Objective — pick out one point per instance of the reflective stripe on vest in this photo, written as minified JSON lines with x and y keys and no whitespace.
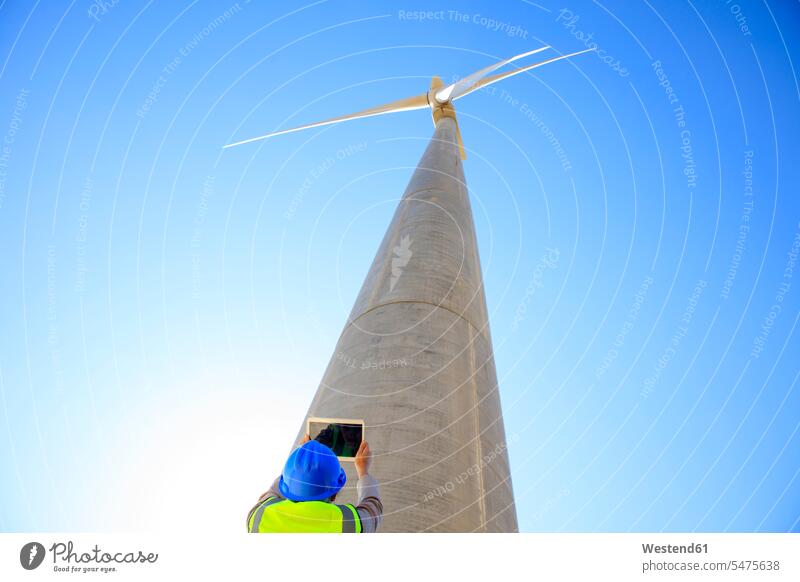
{"x":256,"y":516}
{"x":276,"y":515}
{"x":351,"y":523}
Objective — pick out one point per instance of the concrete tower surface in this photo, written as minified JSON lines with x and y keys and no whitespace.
{"x":415,"y":362}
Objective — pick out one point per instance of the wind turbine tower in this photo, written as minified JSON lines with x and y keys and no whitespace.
{"x":415,"y":358}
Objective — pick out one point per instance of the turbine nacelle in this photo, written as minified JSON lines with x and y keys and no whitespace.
{"x":444,"y":108}
{"x":439,"y":97}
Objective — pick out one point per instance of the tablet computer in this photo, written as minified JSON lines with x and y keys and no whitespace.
{"x":342,"y":436}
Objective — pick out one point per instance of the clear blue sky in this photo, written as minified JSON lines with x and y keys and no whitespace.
{"x":168,"y":308}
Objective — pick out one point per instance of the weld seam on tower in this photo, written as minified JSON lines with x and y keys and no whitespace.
{"x":421,"y":190}
{"x":459,"y":315}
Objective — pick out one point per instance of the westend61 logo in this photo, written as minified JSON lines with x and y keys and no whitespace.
{"x":32,"y":555}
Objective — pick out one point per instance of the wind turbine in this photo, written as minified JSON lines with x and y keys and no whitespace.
{"x":415,"y":357}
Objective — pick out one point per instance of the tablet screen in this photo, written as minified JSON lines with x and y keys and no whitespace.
{"x":343,"y":438}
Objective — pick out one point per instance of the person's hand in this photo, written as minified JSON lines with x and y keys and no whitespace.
{"x":363,"y":459}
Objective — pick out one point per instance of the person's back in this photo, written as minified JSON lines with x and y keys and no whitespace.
{"x":302,"y":499}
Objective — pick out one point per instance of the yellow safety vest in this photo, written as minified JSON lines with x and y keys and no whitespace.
{"x":276,"y":515}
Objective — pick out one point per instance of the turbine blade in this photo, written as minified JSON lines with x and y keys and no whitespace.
{"x":407,"y":104}
{"x":457,"y":89}
{"x":461,"y":149}
{"x":495,"y":78}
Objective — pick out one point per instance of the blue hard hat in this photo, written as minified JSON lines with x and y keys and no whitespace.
{"x":312,"y":473}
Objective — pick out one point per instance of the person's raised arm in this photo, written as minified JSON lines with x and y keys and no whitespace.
{"x":370,"y":507}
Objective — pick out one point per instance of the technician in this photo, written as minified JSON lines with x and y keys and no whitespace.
{"x":302,"y":499}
